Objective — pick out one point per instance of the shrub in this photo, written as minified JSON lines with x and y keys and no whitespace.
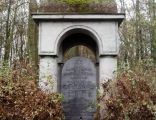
{"x":21,"y":99}
{"x":132,"y":96}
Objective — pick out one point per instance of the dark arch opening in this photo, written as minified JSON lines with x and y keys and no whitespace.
{"x":74,"y":38}
{"x":79,"y":40}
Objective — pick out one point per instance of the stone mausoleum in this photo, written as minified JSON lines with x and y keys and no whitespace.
{"x":78,"y":78}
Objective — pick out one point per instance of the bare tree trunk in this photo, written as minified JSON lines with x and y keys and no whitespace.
{"x":138,"y":31}
{"x":153,"y":40}
{"x":32,"y":35}
{"x":7,"y":34}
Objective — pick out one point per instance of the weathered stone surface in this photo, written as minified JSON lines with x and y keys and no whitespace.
{"x":107,"y":7}
{"x":48,"y":74}
{"x":78,"y":85}
{"x":78,"y":6}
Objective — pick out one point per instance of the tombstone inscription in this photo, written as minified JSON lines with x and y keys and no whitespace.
{"x":78,"y":85}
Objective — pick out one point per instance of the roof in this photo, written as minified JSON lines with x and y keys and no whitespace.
{"x":78,"y":17}
{"x":55,"y":7}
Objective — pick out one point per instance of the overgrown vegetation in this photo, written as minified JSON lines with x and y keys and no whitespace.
{"x":21,"y":99}
{"x":132,"y":96}
{"x":79,"y":6}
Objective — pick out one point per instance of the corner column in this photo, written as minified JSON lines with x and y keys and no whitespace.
{"x":48,"y":73}
{"x":107,"y":69}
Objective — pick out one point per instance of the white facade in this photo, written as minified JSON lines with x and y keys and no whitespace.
{"x":48,"y":74}
{"x":53,"y":29}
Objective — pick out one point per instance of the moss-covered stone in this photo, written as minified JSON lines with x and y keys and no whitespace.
{"x":71,"y":2}
{"x":79,"y":6}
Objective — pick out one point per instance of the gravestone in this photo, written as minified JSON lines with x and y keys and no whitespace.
{"x":78,"y":85}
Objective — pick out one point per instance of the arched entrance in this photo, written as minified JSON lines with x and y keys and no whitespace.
{"x":78,"y":74}
{"x":78,"y":35}
{"x":74,"y":40}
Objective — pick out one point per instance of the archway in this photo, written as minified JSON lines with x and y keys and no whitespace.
{"x":78,"y":37}
{"x":78,"y":73}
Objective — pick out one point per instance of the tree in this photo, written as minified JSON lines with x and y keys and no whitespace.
{"x":13,"y":24}
{"x":138,"y":32}
{"x":32,"y":34}
{"x":152,"y":11}
{"x":7,"y":33}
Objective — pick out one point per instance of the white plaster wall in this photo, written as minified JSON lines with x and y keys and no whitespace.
{"x":49,"y":35}
{"x":48,"y":74}
{"x":107,"y":69}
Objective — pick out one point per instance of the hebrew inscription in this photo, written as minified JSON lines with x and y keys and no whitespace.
{"x":78,"y":85}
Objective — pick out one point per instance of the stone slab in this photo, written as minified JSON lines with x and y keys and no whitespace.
{"x":78,"y":85}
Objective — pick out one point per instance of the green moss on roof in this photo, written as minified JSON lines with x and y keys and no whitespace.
{"x":79,"y":6}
